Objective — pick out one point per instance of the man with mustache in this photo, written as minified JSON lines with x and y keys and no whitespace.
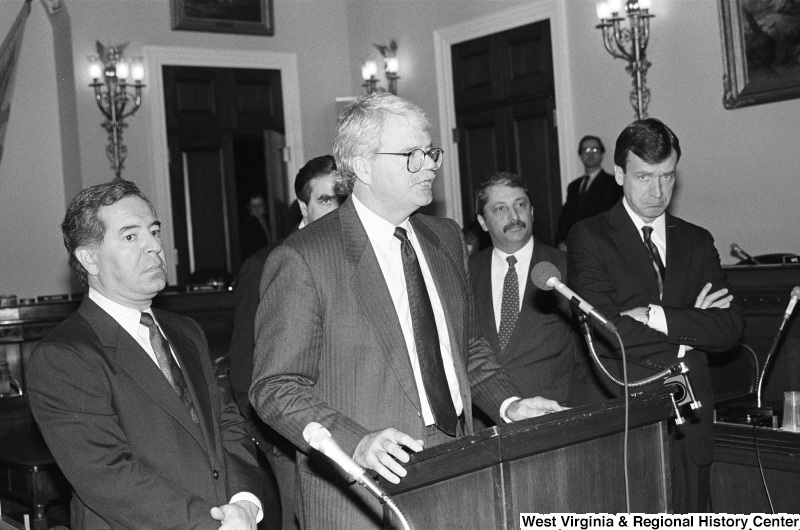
{"x":530,"y":329}
{"x":658,"y":279}
{"x":126,"y":397}
{"x":366,"y":324}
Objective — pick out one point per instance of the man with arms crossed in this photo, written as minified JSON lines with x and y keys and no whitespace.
{"x":126,"y":396}
{"x":659,"y":280}
{"x":366,"y":324}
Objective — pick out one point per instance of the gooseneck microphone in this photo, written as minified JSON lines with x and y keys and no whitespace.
{"x":786,"y":315}
{"x":321,"y":439}
{"x":546,"y":276}
{"x":737,"y":251}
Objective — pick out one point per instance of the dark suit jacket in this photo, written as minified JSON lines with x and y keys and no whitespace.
{"x":610,"y":267}
{"x":243,"y":342}
{"x":121,"y":434}
{"x":602,"y":194}
{"x":544,"y":347}
{"x":330,"y":349}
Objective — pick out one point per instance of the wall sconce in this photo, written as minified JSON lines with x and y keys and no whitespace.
{"x":369,"y":69}
{"x":116,"y":98}
{"x":635,"y":36}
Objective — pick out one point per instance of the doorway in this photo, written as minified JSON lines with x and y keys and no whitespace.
{"x":292,"y":154}
{"x":505,"y":116}
{"x":225,"y":132}
{"x":444,"y":39}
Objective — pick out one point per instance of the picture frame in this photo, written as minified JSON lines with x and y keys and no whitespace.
{"x":252,"y":17}
{"x":760,"y":51}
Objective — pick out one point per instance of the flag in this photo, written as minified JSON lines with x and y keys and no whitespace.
{"x":9,"y":55}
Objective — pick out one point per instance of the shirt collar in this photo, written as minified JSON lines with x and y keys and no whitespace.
{"x":522,"y":255}
{"x":378,"y":229}
{"x":126,"y":317}
{"x":659,"y":225}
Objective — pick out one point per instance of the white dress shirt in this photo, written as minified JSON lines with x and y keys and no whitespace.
{"x":387,"y":249}
{"x":657,"y":319}
{"x":499,"y":271}
{"x":129,"y":319}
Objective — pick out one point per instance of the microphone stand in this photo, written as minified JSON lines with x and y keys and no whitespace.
{"x":677,"y":375}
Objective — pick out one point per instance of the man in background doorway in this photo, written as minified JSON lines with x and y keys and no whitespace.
{"x":593,"y":193}
{"x":254,"y":230}
{"x":314,"y":187}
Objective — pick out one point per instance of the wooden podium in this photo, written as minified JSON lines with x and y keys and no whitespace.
{"x":570,"y":461}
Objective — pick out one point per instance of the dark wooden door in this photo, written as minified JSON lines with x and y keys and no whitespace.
{"x":505,"y":108}
{"x":216,"y":123}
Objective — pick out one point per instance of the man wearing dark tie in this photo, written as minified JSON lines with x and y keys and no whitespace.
{"x":366,"y":324}
{"x":591,"y":194}
{"x":531,"y":330}
{"x":126,"y":396}
{"x":658,"y":279}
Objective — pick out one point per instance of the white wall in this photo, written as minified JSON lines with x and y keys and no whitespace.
{"x":737,"y":176}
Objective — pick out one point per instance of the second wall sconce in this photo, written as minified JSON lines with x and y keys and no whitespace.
{"x":369,"y":69}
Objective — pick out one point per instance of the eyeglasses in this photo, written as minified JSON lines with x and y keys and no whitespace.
{"x":415,"y":159}
{"x":591,"y":150}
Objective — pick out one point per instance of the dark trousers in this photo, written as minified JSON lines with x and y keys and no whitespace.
{"x":691,"y":483}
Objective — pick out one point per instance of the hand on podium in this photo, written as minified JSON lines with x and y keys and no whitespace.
{"x":532,"y":407}
{"x":381,"y":450}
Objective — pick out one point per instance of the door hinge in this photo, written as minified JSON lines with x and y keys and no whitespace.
{"x":555,"y":119}
{"x":456,"y":136}
{"x":286,"y":153}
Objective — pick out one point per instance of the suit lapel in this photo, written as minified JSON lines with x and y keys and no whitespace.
{"x":133,"y":360}
{"x":631,"y":249}
{"x":195,"y":379}
{"x":484,"y":300}
{"x":373,"y":296}
{"x":443,"y":267}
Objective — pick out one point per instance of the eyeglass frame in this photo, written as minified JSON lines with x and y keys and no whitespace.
{"x":437,"y":163}
{"x":587,"y":150}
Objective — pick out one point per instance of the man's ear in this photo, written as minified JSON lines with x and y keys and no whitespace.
{"x":88,"y":258}
{"x":482,"y":222}
{"x":363,"y":169}
{"x":303,"y":209}
{"x":619,"y":173}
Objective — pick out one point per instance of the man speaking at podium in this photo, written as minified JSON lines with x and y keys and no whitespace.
{"x":366,"y":323}
{"x":658,"y":279}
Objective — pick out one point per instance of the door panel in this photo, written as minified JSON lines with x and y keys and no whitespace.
{"x":481,"y":152}
{"x":505,"y":99}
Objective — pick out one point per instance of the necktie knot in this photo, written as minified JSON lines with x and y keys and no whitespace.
{"x":647,"y":230}
{"x":511,"y":261}
{"x":401,"y":234}
{"x":147,"y":320}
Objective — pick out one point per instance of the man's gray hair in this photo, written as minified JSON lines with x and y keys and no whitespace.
{"x":360,"y":127}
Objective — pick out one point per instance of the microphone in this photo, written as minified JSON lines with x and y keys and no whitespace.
{"x":737,"y":251}
{"x":321,"y":439}
{"x":545,"y":276}
{"x":792,"y":302}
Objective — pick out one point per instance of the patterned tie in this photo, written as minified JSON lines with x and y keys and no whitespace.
{"x":167,"y":364}
{"x":658,"y":265}
{"x":509,"y":308}
{"x":426,"y":339}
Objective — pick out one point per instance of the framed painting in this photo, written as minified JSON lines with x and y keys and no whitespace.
{"x":760,"y":50}
{"x":224,"y":16}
